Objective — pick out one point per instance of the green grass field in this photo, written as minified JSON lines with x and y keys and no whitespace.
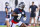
{"x":16,"y":26}
{"x":4,"y":26}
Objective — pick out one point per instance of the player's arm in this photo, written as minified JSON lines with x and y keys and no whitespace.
{"x":37,"y":9}
{"x":6,"y":11}
{"x":25,"y":17}
{"x":11,"y":10}
{"x":14,"y":14}
{"x":25,"y":14}
{"x":29,"y":9}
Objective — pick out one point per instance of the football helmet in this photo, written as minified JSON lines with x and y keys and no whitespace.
{"x":21,"y":5}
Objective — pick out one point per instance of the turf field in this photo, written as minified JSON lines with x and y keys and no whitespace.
{"x":17,"y":26}
{"x":4,"y":26}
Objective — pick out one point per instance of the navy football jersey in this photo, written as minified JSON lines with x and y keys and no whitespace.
{"x":8,"y":8}
{"x":9,"y":11}
{"x":18,"y":11}
{"x":33,"y":8}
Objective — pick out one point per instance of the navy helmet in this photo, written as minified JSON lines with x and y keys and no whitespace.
{"x":6,"y":3}
{"x":21,"y":5}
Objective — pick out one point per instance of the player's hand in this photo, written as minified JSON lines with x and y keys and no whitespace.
{"x":19,"y":15}
{"x":11,"y":10}
{"x":18,"y":18}
{"x":24,"y":19}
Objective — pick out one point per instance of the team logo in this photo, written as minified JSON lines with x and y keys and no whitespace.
{"x":22,"y":12}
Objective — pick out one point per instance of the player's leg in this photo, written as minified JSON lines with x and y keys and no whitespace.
{"x":37,"y":19}
{"x":22,"y":24}
{"x":30,"y":21}
{"x":19,"y":23}
{"x":7,"y":22}
{"x":38,"y":22}
{"x":34,"y":18}
{"x":12,"y":24}
{"x":34,"y":21}
{"x":31,"y":15}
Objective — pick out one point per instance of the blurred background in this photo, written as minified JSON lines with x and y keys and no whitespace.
{"x":13,"y":5}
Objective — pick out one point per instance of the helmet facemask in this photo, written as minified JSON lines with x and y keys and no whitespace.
{"x":21,"y":6}
{"x":7,"y":4}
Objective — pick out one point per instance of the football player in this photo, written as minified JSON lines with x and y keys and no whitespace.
{"x":33,"y":12}
{"x":8,"y":16}
{"x":17,"y":14}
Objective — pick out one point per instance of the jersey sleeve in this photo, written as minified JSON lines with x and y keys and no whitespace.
{"x":36,"y":7}
{"x":6,"y":7}
{"x":30,"y":7}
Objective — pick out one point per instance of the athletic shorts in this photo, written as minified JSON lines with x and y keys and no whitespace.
{"x":6,"y":19}
{"x":32,"y":15}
